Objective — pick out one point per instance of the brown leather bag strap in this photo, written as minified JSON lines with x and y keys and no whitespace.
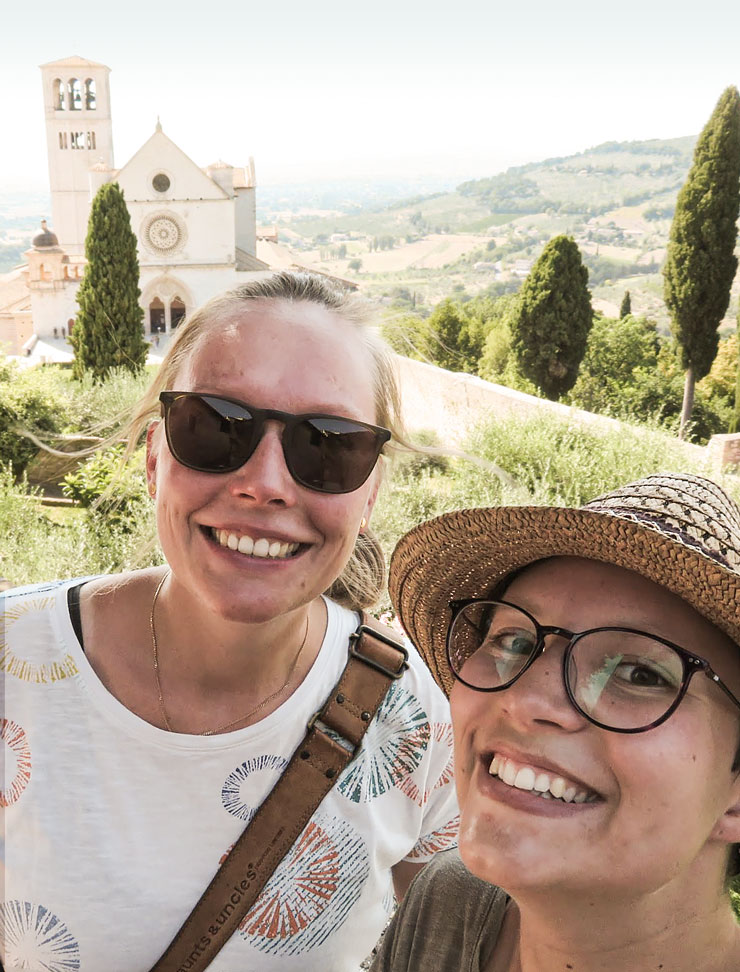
{"x":375,"y":660}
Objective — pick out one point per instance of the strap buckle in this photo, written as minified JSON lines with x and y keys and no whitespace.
{"x":381,"y":636}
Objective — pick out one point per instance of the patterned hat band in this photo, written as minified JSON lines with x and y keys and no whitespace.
{"x":679,"y":531}
{"x":668,"y":505}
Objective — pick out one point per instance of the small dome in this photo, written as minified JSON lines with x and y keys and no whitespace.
{"x":45,"y":238}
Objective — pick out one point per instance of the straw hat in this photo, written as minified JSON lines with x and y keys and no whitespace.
{"x":680,"y":531}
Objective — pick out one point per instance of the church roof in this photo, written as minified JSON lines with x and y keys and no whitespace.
{"x":159,"y":149}
{"x":14,"y":293}
{"x":45,"y":239}
{"x":245,"y":261}
{"x":74,"y":62}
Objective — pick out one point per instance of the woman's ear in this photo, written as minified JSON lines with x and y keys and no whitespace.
{"x":727,"y":827}
{"x":370,"y":502}
{"x":151,"y":458}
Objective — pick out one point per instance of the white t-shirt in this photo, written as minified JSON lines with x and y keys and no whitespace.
{"x":113,"y":828}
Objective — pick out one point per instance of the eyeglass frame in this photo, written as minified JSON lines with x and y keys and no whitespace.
{"x":261,"y":415}
{"x":691,"y":662}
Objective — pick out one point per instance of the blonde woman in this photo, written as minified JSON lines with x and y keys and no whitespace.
{"x":148,"y":715}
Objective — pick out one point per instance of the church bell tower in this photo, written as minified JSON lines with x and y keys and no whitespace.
{"x":79,"y":135}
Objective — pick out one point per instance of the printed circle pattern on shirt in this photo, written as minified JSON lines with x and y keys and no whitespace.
{"x":434,"y":843}
{"x":262,"y":770}
{"x":393,"y":747}
{"x":17,"y":755}
{"x":22,"y":624}
{"x":36,"y":939}
{"x":312,"y":893}
{"x":441,"y":734}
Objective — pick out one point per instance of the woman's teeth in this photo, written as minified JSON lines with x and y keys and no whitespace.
{"x":263,"y":547}
{"x":546,"y":785}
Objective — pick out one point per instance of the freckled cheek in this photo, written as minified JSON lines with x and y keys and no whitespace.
{"x":656,"y":785}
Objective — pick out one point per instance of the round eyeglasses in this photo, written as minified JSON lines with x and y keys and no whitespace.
{"x":620,"y":679}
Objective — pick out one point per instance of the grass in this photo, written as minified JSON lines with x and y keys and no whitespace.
{"x":47,"y":543}
{"x":62,"y":515}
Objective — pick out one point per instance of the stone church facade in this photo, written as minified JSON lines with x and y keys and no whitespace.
{"x":195,"y":227}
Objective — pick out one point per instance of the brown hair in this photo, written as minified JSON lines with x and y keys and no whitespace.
{"x":363,"y":578}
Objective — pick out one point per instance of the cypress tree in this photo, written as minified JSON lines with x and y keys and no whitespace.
{"x":551,"y":326}
{"x":701,"y":264}
{"x":108,"y":331}
{"x":735,"y":420}
{"x":625,"y":308}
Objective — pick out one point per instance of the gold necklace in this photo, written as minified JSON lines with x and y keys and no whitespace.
{"x":228,"y":725}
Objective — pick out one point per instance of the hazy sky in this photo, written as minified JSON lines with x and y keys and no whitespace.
{"x":332,"y":89}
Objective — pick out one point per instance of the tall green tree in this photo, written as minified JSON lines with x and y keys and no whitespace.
{"x":108,"y":331}
{"x":551,"y":327}
{"x":625,"y":307}
{"x":701,"y":263}
{"x":734,"y":425}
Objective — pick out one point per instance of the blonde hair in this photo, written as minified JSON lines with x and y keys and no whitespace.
{"x":362,"y":580}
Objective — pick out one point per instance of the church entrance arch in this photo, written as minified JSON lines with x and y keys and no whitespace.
{"x":166,"y":301}
{"x":177,"y":311}
{"x":156,"y":316}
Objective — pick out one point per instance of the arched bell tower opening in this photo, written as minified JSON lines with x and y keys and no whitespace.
{"x":79,"y":135}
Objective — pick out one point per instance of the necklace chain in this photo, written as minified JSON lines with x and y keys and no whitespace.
{"x":227,"y":725}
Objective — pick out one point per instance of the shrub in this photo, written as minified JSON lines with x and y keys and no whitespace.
{"x":109,"y":490}
{"x":36,"y":548}
{"x":101,"y":406}
{"x":561,"y":462}
{"x":411,"y":465}
{"x":28,"y":400}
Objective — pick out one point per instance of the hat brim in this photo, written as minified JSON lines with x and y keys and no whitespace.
{"x":468,"y":552}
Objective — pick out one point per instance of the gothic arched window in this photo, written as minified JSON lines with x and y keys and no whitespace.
{"x":90,"y":94}
{"x":156,"y":316}
{"x":177,"y":312}
{"x":58,"y":94}
{"x":75,"y":94}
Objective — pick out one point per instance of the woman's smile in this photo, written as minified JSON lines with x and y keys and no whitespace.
{"x":547,"y":784}
{"x":253,"y":544}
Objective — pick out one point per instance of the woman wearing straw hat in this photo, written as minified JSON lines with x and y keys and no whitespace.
{"x":591,"y":658}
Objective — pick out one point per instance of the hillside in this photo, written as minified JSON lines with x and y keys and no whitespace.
{"x":616,"y":199}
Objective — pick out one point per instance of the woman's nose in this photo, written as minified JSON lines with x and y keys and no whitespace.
{"x":539,"y":694}
{"x":265,"y":477}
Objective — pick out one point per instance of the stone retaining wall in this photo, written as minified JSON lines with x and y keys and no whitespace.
{"x":451,"y":402}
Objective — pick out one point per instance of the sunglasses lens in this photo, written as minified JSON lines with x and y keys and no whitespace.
{"x":209,"y":434}
{"x":332,"y":455}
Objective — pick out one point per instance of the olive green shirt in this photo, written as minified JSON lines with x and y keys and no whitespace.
{"x":449,"y":921}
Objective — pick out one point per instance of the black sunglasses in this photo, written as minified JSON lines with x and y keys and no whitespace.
{"x":620,"y":679}
{"x":326,"y":453}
